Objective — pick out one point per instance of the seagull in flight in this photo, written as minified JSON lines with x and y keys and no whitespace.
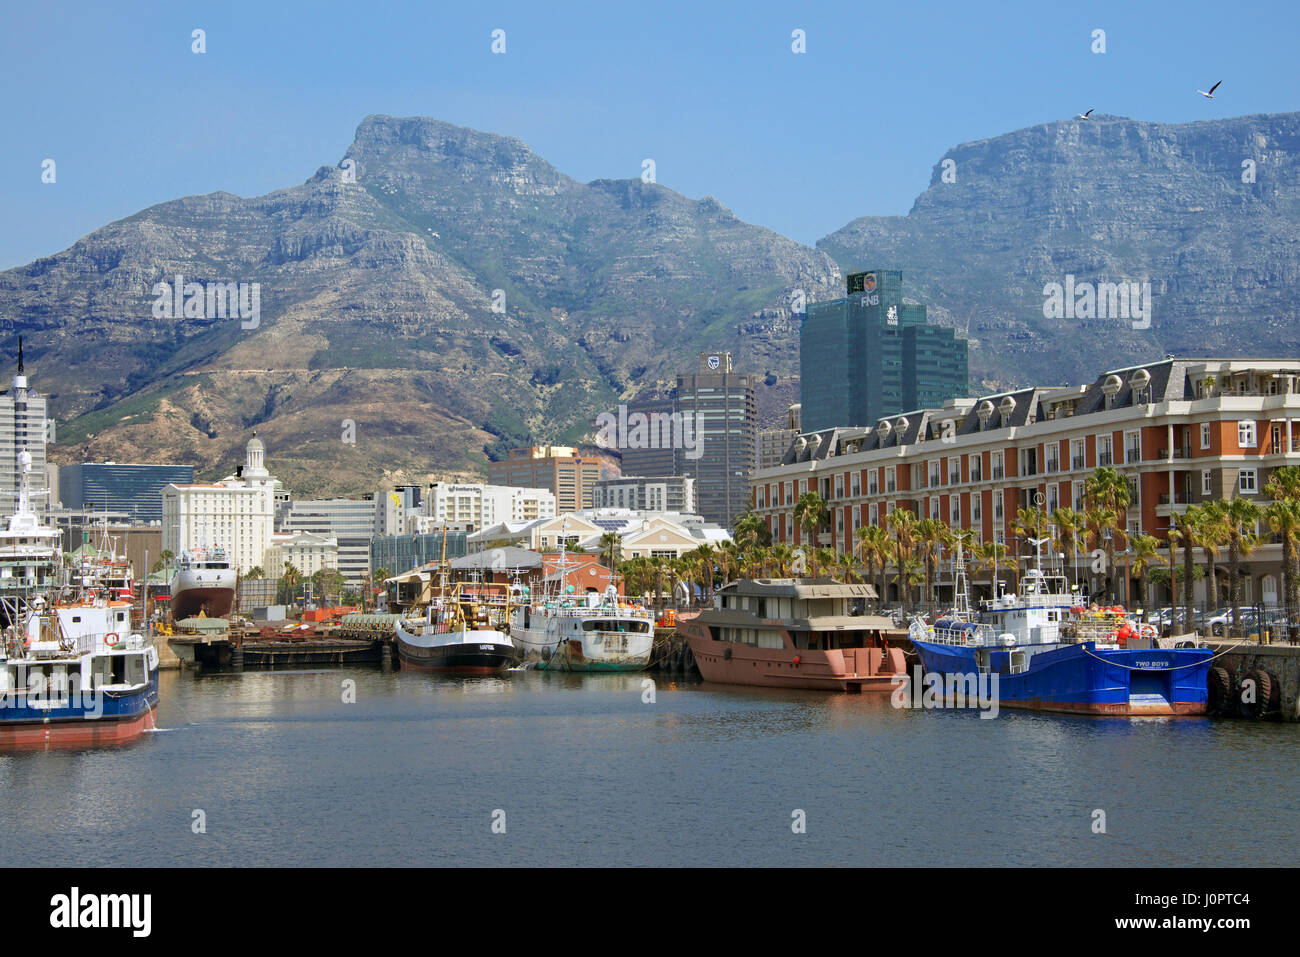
{"x":1084,"y":116}
{"x":1209,"y":95}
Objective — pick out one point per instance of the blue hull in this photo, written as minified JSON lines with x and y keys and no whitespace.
{"x":1078,"y":678}
{"x":106,"y":718}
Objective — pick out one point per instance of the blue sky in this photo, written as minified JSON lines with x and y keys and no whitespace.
{"x":801,"y":143}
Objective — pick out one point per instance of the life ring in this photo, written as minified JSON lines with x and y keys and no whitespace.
{"x":111,"y":639}
{"x":1149,"y":631}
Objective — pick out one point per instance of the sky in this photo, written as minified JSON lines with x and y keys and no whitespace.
{"x":713,"y":92}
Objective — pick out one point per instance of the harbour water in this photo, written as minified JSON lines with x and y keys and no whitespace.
{"x":280,"y":770}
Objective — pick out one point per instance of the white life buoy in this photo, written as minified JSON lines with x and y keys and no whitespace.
{"x":1148,"y":631}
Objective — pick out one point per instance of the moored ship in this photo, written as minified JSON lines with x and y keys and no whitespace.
{"x":794,"y":633}
{"x":593,"y":632}
{"x":1050,"y":655}
{"x":460,"y":632}
{"x":204,"y":581}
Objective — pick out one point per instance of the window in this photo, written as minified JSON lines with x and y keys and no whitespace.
{"x":974,"y":466}
{"x":1104,"y":450}
{"x":1246,"y":480}
{"x":934,"y":506}
{"x":891,"y":481}
{"x":1053,"y":457}
{"x":1205,"y":435}
{"x":1076,"y":454}
{"x":1275,"y":437}
{"x":1246,"y":435}
{"x":934,"y":474}
{"x":995,"y":459}
{"x":954,"y":510}
{"x":997,"y":506}
{"x":954,"y":470}
{"x":1076,"y":496}
{"x":873,"y":485}
{"x":1207,"y":481}
{"x":976,"y":509}
{"x":1132,"y":447}
{"x":1053,"y":497}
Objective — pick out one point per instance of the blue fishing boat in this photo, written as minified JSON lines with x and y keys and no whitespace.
{"x":1049,"y":654}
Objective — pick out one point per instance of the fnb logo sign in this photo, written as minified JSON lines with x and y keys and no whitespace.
{"x":862,"y":282}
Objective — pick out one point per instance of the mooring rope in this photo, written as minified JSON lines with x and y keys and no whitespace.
{"x":1194,"y":664}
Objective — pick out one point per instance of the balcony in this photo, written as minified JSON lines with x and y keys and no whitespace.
{"x":997,"y":472}
{"x":1077,"y":462}
{"x":1182,"y":452}
{"x":1103,"y":459}
{"x":1132,"y":456}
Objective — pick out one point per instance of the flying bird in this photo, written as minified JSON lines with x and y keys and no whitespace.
{"x":1084,"y":116}
{"x":1210,"y":95}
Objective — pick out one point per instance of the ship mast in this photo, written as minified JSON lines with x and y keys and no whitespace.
{"x":961,"y":592}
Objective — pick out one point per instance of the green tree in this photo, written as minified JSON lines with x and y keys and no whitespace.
{"x":810,"y":514}
{"x":1108,"y":492}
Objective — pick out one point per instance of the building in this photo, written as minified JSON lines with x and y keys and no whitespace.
{"x":649,"y":534}
{"x":1184,"y":431}
{"x":397,"y":554}
{"x":349,"y":521}
{"x":237,"y":513}
{"x":557,"y":468}
{"x":723,"y":406}
{"x":396,"y":510}
{"x":472,"y":505}
{"x":647,"y":458}
{"x":133,"y":489}
{"x":23,"y":427}
{"x":772,"y":443}
{"x":305,"y":551}
{"x":661,"y":493}
{"x":870,"y":355}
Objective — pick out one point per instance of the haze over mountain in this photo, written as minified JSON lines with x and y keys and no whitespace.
{"x":377,"y":295}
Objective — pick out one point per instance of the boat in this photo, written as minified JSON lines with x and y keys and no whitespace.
{"x":795,"y":633}
{"x":204,"y":581}
{"x":591,"y":632}
{"x":460,"y":632}
{"x":1051,"y":654}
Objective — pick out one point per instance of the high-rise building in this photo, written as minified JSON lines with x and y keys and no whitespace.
{"x":870,"y":355}
{"x":556,"y":468}
{"x":649,"y":457}
{"x":772,"y":443}
{"x":109,"y":486}
{"x":722,"y":409}
{"x":22,"y":428}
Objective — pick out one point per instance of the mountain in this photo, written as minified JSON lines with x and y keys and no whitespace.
{"x":439,"y":296}
{"x":1206,"y":212}
{"x":443,"y":294}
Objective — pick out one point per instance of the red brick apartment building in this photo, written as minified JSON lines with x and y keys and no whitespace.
{"x":1183,"y":430}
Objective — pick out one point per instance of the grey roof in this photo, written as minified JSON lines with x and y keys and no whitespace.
{"x":798,"y":588}
{"x":502,"y":558}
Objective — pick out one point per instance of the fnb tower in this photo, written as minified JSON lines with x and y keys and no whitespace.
{"x":869,"y":355}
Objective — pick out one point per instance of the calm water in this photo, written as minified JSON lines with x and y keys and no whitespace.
{"x":286,"y":773}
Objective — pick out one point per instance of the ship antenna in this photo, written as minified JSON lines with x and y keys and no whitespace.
{"x":961,"y":597}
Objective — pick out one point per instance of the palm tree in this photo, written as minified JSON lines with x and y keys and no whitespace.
{"x":254,"y":573}
{"x":1187,"y":524}
{"x":822,"y":558}
{"x":1213,"y":535}
{"x":657,"y":570}
{"x":1146,"y":552}
{"x":1070,"y":527}
{"x":1108,"y":489}
{"x":931,"y":535}
{"x":1284,"y":520}
{"x":290,"y":579}
{"x":782,"y":559}
{"x":611,"y":544}
{"x":1100,"y":524}
{"x":1242,"y":519}
{"x":750,"y":530}
{"x":1283,"y":486}
{"x":909,"y":574}
{"x":810,"y":514}
{"x":874,"y":547}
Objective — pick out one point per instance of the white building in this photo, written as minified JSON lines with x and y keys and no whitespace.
{"x":479,"y":505}
{"x":648,"y":534}
{"x":22,"y":427}
{"x":237,"y":513}
{"x":305,"y":551}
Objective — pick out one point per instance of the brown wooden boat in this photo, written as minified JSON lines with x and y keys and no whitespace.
{"x":795,"y":633}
